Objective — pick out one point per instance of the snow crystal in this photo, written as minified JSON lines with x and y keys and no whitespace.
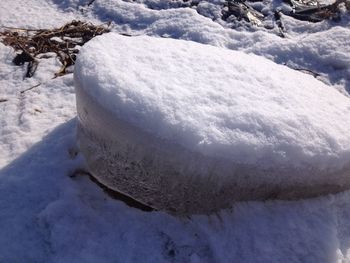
{"x":218,"y":115}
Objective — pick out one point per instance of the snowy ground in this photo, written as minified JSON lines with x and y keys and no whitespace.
{"x":47,"y":216}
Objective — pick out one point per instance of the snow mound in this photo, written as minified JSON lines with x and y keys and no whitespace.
{"x":199,"y":126}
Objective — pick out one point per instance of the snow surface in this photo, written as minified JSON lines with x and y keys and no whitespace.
{"x":221,"y":103}
{"x":46,"y":216}
{"x":323,"y":47}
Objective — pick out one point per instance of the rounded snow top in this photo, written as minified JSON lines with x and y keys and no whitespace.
{"x":182,"y":111}
{"x":218,"y":102}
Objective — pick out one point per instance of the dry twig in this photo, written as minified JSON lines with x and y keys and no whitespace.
{"x":63,"y":41}
{"x":37,"y":85}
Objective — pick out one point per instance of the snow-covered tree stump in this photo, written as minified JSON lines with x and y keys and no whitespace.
{"x":191,"y":128}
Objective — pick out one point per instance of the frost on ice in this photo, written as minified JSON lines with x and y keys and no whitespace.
{"x":191,"y":128}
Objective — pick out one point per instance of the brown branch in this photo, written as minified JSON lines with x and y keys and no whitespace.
{"x":35,"y":42}
{"x":37,"y":85}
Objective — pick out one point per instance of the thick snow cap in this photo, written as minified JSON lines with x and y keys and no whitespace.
{"x":220,"y":122}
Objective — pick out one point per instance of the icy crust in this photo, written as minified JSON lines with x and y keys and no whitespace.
{"x":224,"y":104}
{"x":167,"y":176}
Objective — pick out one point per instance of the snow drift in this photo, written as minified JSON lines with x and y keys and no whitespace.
{"x":190,"y":128}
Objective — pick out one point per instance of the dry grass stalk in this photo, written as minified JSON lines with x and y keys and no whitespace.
{"x":63,"y":41}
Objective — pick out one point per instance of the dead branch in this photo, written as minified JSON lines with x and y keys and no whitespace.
{"x":37,"y":85}
{"x":33,"y":43}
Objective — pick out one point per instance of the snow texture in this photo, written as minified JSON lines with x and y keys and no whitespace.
{"x":221,"y":103}
{"x":323,"y":47}
{"x":46,"y":216}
